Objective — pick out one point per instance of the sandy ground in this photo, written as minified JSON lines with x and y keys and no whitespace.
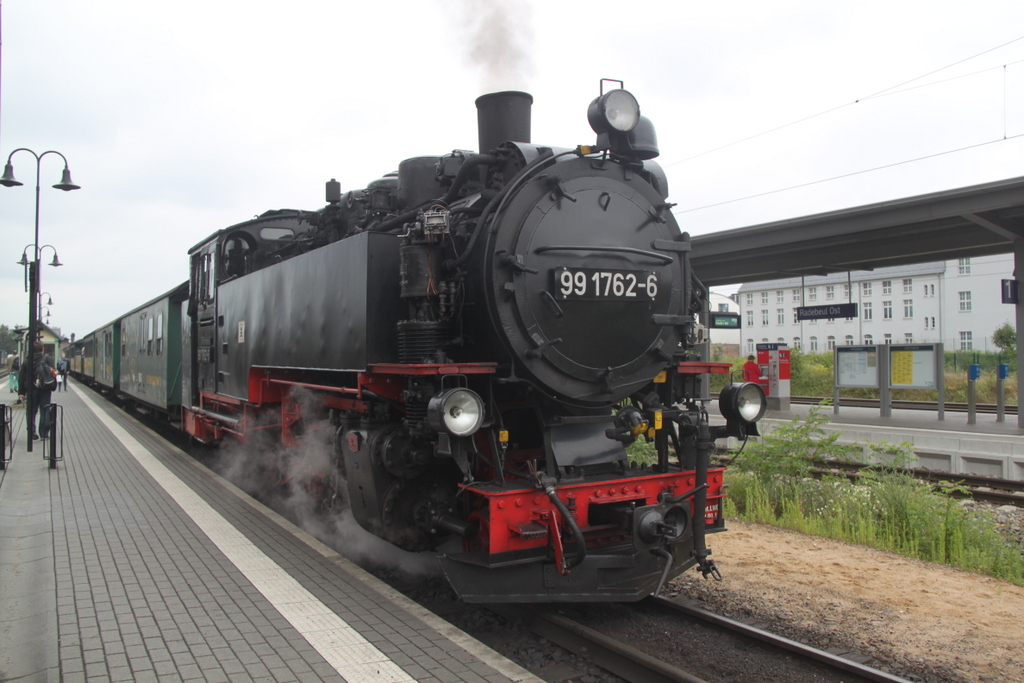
{"x":941,"y":623}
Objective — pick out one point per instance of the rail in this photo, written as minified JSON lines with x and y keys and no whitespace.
{"x":804,"y":651}
{"x":903,"y":404}
{"x":635,"y":666}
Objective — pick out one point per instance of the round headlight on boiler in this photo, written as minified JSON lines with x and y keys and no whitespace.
{"x":460,"y":412}
{"x":616,"y":110}
{"x":742,"y":402}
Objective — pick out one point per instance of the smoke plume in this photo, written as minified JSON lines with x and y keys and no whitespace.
{"x":499,"y":42}
{"x":304,"y":485}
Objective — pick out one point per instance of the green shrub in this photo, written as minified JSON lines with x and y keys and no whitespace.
{"x":885,"y":508}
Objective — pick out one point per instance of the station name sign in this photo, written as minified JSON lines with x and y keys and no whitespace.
{"x":724,"y":321}
{"x":825,"y":312}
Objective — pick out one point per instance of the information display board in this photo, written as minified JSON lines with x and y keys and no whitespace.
{"x":857,"y":366}
{"x":912,"y":366}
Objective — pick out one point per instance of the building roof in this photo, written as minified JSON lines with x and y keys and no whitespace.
{"x":912,"y":270}
{"x":973,"y":221}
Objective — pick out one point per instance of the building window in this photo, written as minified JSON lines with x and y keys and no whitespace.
{"x":868,"y":312}
{"x":781,"y":340}
{"x":723,"y":308}
{"x":846,"y":291}
{"x":886,"y":310}
{"x":796,"y":296}
{"x":831,"y":343}
{"x":929,"y":290}
{"x":830,"y":292}
{"x":812,"y":293}
{"x":908,"y":285}
{"x":750,"y":318}
{"x":908,"y":308}
{"x":933,"y":323}
{"x":965,"y":269}
{"x":965,"y":301}
{"x":764,"y":317}
{"x":865,"y":288}
{"x":750,"y":346}
{"x":780,"y":296}
{"x":886,"y":286}
{"x":908,"y":338}
{"x":887,"y":338}
{"x":849,"y":340}
{"x":764,"y":298}
{"x":796,"y":342}
{"x":966,"y":342}
{"x":750,"y":299}
{"x":868,"y":339}
{"x":781,"y":315}
{"x":814,"y":344}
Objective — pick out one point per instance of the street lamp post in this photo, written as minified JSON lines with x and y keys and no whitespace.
{"x":65,"y":184}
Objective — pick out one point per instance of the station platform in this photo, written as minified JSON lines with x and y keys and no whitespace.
{"x":988,"y":448}
{"x":133,"y":562}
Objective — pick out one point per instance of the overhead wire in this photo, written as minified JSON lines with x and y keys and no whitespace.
{"x":847,"y":175}
{"x":880,"y":93}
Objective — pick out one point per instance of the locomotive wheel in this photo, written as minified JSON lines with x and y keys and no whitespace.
{"x":407,"y":509}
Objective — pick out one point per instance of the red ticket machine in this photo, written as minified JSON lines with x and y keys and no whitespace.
{"x":775,"y":373}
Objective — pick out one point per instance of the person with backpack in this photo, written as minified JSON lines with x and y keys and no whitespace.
{"x":39,"y":377}
{"x":62,"y":367}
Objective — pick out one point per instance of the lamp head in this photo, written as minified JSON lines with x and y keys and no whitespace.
{"x":55,"y":262}
{"x":65,"y":182}
{"x":24,"y":259}
{"x":8,"y":179}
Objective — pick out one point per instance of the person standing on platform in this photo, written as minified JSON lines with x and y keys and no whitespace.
{"x":39,"y":377}
{"x":751,"y":370}
{"x":13,"y":371}
{"x":62,"y":367}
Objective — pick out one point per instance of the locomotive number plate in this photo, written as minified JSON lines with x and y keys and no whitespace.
{"x":603,"y":284}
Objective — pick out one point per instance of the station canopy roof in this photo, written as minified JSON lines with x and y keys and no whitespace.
{"x":972,"y":221}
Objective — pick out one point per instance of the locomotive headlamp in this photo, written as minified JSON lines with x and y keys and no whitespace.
{"x":459,"y":412}
{"x":743,"y":404}
{"x":616,"y":110}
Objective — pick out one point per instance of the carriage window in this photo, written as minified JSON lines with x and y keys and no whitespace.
{"x":276,"y":234}
{"x":149,"y":337}
{"x":159,"y":334}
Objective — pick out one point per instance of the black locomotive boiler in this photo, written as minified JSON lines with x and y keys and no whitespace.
{"x":483,"y":334}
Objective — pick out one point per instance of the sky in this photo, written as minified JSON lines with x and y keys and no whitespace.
{"x":179,"y":119}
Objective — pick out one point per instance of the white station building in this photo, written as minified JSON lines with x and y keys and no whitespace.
{"x":955,"y":302}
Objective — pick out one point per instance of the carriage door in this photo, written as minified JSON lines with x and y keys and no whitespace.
{"x":204,"y":295}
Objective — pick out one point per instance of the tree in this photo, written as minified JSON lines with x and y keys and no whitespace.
{"x":1005,"y":338}
{"x":8,"y":341}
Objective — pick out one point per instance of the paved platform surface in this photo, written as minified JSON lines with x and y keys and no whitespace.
{"x":132,"y":562}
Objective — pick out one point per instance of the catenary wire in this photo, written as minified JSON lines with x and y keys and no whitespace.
{"x":848,"y":104}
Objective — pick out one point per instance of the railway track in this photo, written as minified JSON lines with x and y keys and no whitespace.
{"x":962,"y":486}
{"x":973,"y":486}
{"x":797,"y":662}
{"x":904,"y":405}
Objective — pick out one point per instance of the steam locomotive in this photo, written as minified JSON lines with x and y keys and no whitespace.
{"x":483,"y":334}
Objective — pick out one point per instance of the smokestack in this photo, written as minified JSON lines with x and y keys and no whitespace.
{"x":502,"y":117}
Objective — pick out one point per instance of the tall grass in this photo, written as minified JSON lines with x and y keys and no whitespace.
{"x":884,"y":509}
